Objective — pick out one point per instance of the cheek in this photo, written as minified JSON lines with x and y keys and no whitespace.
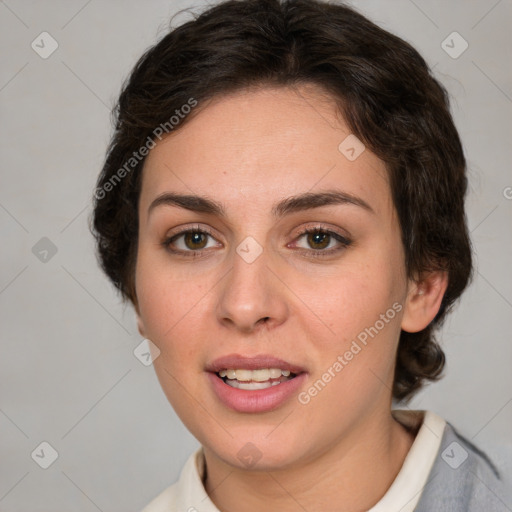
{"x":160,"y":300}
{"x":167,"y":297}
{"x":355,"y":358}
{"x":173,"y":311}
{"x":170,"y":311}
{"x":351,"y":300}
{"x":362,"y":307}
{"x":167,"y":308}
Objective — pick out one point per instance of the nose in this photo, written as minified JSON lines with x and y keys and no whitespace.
{"x":251,"y":296}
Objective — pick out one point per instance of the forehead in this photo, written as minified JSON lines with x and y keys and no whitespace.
{"x":262,"y":145}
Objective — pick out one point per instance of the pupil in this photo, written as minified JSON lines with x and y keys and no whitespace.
{"x":194,"y":239}
{"x":319,"y":238}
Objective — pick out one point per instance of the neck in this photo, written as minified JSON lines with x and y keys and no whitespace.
{"x":352,"y":475}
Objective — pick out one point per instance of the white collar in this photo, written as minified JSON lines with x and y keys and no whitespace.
{"x":405,"y":491}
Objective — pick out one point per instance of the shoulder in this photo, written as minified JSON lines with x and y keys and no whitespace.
{"x":466,"y":478}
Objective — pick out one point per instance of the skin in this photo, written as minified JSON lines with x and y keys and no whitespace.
{"x":248,"y":150}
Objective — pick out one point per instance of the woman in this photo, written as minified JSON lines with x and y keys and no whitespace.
{"x":283,"y":204}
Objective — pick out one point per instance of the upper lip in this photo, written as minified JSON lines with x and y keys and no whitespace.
{"x":257,"y":362}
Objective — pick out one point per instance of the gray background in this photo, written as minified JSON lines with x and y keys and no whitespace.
{"x":68,"y":375}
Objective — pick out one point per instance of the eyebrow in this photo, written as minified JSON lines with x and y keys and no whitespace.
{"x":305,"y":201}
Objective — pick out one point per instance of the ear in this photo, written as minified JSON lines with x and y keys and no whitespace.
{"x":140,"y":326}
{"x":140,"y":323}
{"x":423,"y":300}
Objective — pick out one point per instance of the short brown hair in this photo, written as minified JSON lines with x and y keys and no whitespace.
{"x":384,"y":91}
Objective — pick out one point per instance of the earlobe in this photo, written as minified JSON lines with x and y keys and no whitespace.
{"x":424,"y":300}
{"x":140,"y":324}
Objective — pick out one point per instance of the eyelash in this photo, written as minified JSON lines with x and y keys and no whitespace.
{"x":315,"y":253}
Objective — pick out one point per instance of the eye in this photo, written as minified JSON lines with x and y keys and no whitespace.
{"x":192,"y":240}
{"x":323,"y":242}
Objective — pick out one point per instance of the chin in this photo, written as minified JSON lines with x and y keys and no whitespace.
{"x":256,"y":453}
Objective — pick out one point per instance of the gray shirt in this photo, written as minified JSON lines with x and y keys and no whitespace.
{"x":466,"y":479}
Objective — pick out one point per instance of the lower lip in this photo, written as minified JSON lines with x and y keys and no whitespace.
{"x":258,"y":400}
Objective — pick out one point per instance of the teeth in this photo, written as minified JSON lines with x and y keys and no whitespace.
{"x":261,"y":375}
{"x":251,"y":386}
{"x":247,"y":375}
{"x":275,"y":373}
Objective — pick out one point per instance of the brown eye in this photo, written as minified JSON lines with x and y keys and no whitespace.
{"x":190,"y":242}
{"x":318,"y":239}
{"x":321,"y":242}
{"x":195,"y":240}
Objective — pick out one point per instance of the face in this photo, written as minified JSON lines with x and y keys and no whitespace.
{"x":247,"y":279}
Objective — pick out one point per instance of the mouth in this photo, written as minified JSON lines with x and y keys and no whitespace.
{"x":255,"y":383}
{"x":251,"y":380}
